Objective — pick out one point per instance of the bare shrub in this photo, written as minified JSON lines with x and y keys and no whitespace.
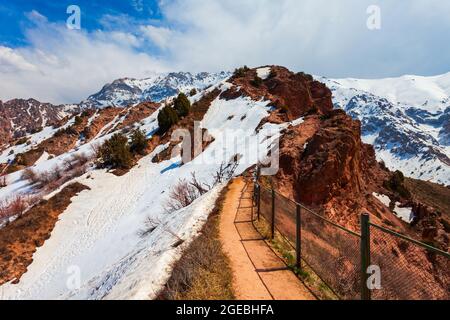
{"x":150,"y":225}
{"x":79,"y":171}
{"x":3,"y":210}
{"x":81,"y":159}
{"x":178,"y":241}
{"x":54,"y":179}
{"x":201,"y":187}
{"x":77,"y":159}
{"x":186,"y":192}
{"x":181,"y":195}
{"x":3,"y":182}
{"x":95,"y":147}
{"x":30,"y":175}
{"x":226,"y":170}
{"x":58,"y":172}
{"x":16,"y":206}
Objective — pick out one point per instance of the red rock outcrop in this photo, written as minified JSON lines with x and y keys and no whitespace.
{"x":332,"y":161}
{"x":294,"y":94}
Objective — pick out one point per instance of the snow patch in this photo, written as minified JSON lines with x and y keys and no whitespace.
{"x":264,"y":73}
{"x":383,"y":199}
{"x":406,"y":214}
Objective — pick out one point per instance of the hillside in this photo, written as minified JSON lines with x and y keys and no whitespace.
{"x":122,"y":230}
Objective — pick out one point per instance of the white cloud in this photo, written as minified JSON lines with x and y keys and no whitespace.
{"x":324,"y":37}
{"x":327,"y":37}
{"x":160,"y":36}
{"x":11,"y":61}
{"x":66,"y":66}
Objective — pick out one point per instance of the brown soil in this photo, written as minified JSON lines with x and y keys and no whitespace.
{"x":138,"y":113}
{"x":20,"y":239}
{"x":103,"y":118}
{"x":258,"y":273}
{"x":203,"y":272}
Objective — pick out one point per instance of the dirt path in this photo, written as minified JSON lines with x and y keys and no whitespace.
{"x":258,"y":273}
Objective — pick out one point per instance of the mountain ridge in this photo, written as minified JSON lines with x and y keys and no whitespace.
{"x":409,"y":128}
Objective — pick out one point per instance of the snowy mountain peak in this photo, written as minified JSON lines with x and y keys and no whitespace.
{"x":127,"y":91}
{"x":407,"y":119}
{"x":429,"y":93}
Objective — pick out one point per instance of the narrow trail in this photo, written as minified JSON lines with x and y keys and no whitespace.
{"x":258,"y":273}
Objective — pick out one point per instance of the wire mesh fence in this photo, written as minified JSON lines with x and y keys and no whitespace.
{"x":266,"y":204}
{"x":333,"y":253}
{"x":410,"y":270}
{"x":285,"y":218}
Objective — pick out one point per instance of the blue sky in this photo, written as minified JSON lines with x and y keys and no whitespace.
{"x":13,"y":18}
{"x":41,"y":58}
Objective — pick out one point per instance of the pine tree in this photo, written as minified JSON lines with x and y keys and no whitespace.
{"x":257,"y":82}
{"x":166,"y":118}
{"x":138,"y":142}
{"x":116,"y":152}
{"x":182,"y":105}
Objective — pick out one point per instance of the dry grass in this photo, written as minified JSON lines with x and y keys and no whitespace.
{"x":431,"y":194}
{"x":203,"y":272}
{"x":20,"y":238}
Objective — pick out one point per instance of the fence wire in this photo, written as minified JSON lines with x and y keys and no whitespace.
{"x":266,"y":204}
{"x":334,"y":254}
{"x":408,"y":271}
{"x":285,"y":218}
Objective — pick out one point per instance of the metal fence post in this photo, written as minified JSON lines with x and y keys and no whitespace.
{"x":258,"y":199}
{"x":273,"y":215}
{"x":365,"y":255}
{"x":298,"y":246}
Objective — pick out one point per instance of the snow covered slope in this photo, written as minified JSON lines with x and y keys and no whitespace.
{"x":123,"y":92}
{"x":98,"y":240}
{"x":407,"y":119}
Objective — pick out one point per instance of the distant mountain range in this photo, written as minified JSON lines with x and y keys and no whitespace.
{"x":20,"y":117}
{"x":407,"y":119}
{"x":123,"y":92}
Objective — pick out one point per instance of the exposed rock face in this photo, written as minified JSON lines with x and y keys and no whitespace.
{"x":325,"y":165}
{"x":332,"y":161}
{"x":430,"y":223}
